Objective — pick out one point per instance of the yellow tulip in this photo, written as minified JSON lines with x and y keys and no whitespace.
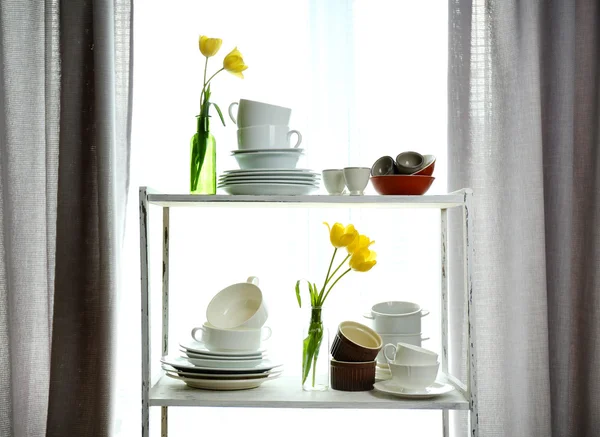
{"x":363,"y":260}
{"x":360,"y":242}
{"x":209,"y":46}
{"x":234,"y":63}
{"x":341,"y":236}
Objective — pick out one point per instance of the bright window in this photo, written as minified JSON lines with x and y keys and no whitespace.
{"x":365,"y":78}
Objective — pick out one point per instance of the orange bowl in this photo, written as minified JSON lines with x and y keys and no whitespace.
{"x":406,"y":185}
{"x":427,"y":169}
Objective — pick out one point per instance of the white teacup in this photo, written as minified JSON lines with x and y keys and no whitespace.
{"x":267,"y":136}
{"x":231,"y":339}
{"x":334,"y":182}
{"x":409,"y":354}
{"x":239,"y":306}
{"x":251,"y":113}
{"x":415,"y":376}
{"x":357,"y":179}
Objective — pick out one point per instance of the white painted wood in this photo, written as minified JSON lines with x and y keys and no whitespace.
{"x":433,"y":201}
{"x":287,"y":392}
{"x":468,"y":280}
{"x":444,"y":306}
{"x":145,"y":297}
{"x":164,"y":416}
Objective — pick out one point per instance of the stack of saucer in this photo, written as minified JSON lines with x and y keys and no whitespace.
{"x":229,"y":354}
{"x":269,"y":181}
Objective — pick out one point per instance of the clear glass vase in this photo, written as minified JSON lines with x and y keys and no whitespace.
{"x":315,"y":353}
{"x":203,"y":159}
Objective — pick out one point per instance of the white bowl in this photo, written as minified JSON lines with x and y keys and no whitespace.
{"x":405,"y":353}
{"x":414,"y":376}
{"x":260,"y":160}
{"x":239,"y":306}
{"x":397,"y":317}
{"x":216,"y":339}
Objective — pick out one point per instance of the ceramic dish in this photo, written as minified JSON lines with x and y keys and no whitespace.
{"x":220,"y":357}
{"x":435,"y":389}
{"x":200,"y":348}
{"x":267,"y":182}
{"x":272,"y":171}
{"x":427,"y":167}
{"x":267,"y":160}
{"x":286,"y":150}
{"x":402,"y":185}
{"x":221,"y":376}
{"x":183,"y":364}
{"x":225,"y":364}
{"x":269,"y":189}
{"x":268,"y":177}
{"x":223,"y":384}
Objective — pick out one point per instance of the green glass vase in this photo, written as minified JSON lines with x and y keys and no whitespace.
{"x":315,"y":353}
{"x":203,"y":159}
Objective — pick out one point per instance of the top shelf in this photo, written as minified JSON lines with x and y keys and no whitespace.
{"x":450,"y":200}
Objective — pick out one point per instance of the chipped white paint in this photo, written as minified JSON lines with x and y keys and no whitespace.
{"x":165,"y":308}
{"x":144,"y":219}
{"x":444,"y":306}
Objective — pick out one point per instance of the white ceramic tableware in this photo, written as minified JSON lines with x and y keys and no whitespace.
{"x":397,"y":317}
{"x":200,"y":348}
{"x":224,"y":364}
{"x":269,"y":189}
{"x":284,"y":150}
{"x":183,"y":364}
{"x":239,"y":306}
{"x":405,"y":353}
{"x":274,"y":178}
{"x":267,"y":182}
{"x":253,"y":113}
{"x":414,"y":376}
{"x":356,"y":179}
{"x":271,"y":171}
{"x":187,"y":354}
{"x":391,"y":388}
{"x":414,"y":339}
{"x":269,"y":159}
{"x":267,"y":136}
{"x":221,"y":376}
{"x":218,"y":339}
{"x":224,"y":384}
{"x":334,"y":181}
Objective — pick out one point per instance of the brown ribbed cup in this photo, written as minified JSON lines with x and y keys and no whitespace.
{"x":344,"y":349}
{"x":352,"y":376}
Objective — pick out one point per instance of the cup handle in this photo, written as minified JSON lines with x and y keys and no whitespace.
{"x":252,"y":280}
{"x":267,"y":333}
{"x":385,"y":349}
{"x":368,"y":316}
{"x":200,"y":328}
{"x":426,"y":338}
{"x":424,"y":313}
{"x":299,"y":140}
{"x":230,"y":109}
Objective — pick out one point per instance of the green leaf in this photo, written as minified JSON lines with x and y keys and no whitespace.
{"x":310,"y":348}
{"x":298,"y":294}
{"x":219,"y":112}
{"x":317,"y":295}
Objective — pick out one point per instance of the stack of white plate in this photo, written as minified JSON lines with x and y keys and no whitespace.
{"x":270,"y":181}
{"x":206,"y":369}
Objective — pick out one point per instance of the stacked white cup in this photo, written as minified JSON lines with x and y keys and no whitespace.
{"x":264,"y":136}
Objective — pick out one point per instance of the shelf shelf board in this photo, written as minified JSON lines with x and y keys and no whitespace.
{"x":287,"y":393}
{"x":323,"y":201}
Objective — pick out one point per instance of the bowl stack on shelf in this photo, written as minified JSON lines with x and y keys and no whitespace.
{"x":229,"y":355}
{"x":265,"y":155}
{"x":409,"y":174}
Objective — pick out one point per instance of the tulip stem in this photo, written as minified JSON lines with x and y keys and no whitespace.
{"x":328,"y":271}
{"x":211,"y":78}
{"x":332,"y":275}
{"x":204,"y":85}
{"x":336,"y":281}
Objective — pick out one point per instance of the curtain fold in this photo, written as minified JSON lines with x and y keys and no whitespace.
{"x":64,"y":163}
{"x":525,"y":138}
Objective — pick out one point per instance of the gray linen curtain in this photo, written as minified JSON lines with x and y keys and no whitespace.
{"x":524,"y":96}
{"x":64,"y":156}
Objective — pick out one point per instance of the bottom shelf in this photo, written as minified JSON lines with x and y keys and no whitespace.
{"x":286,"y":392}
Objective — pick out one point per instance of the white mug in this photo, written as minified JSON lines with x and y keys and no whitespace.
{"x":231,"y":339}
{"x":408,"y":354}
{"x":251,"y":113}
{"x":268,"y":136}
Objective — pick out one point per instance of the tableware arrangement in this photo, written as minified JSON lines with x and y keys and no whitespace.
{"x":410,"y":174}
{"x":355,"y":178}
{"x":226,"y":352}
{"x":360,"y":258}
{"x":266,"y":155}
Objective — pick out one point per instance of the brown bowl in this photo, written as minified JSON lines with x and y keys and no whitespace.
{"x":429,"y":165}
{"x":349,"y":376}
{"x":406,"y":185}
{"x":356,"y":343}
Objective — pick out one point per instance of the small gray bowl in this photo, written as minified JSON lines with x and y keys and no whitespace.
{"x":384,"y":166}
{"x":409,"y":162}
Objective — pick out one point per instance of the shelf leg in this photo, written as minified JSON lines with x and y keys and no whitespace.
{"x":145,"y":289}
{"x":468,"y":269}
{"x":165,"y":283}
{"x":164,"y":422}
{"x":444,"y":305}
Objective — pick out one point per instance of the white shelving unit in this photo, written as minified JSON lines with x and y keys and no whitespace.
{"x":160,"y":391}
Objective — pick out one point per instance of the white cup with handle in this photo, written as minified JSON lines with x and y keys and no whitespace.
{"x":267,"y":136}
{"x":216,"y":339}
{"x":409,"y":354}
{"x":252,"y":113}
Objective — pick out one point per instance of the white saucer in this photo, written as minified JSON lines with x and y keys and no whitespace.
{"x":183,"y":364}
{"x":199,"y":348}
{"x":273,"y":189}
{"x":224,"y":384}
{"x":271,"y":171}
{"x":221,"y":376}
{"x":203,"y":356}
{"x":435,"y":389}
{"x":287,"y":150}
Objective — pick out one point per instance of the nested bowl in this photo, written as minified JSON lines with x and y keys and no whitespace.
{"x":407,"y":185}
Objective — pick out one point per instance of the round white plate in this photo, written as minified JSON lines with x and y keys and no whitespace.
{"x":200,"y":348}
{"x":271,"y":171}
{"x":435,"y":389}
{"x":261,"y":176}
{"x":269,"y":189}
{"x":220,"y":357}
{"x":224,"y":364}
{"x":221,"y":376}
{"x":184,"y":364}
{"x":268,"y":182}
{"x":286,"y":150}
{"x":222,"y":384}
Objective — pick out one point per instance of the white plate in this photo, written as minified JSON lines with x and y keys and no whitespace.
{"x":269,"y":190}
{"x":268,"y":182}
{"x":222,"y":376}
{"x":271,"y":171}
{"x":200,"y":348}
{"x":224,"y":364}
{"x":219,"y":357}
{"x":392,"y":388}
{"x":287,"y":150}
{"x":222,"y":384}
{"x":184,"y":364}
{"x":269,"y":177}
